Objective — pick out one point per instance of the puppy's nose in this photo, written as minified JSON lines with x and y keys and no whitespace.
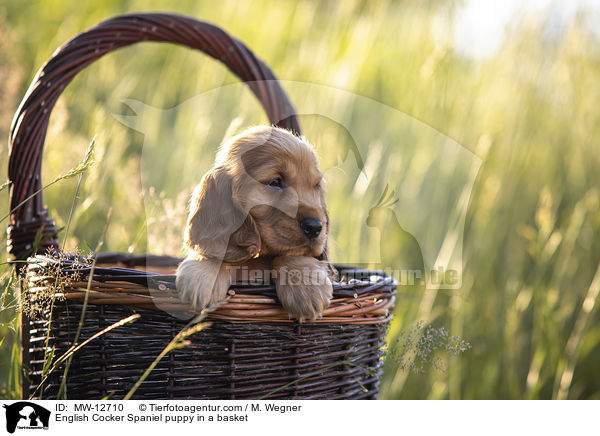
{"x":311,"y":227}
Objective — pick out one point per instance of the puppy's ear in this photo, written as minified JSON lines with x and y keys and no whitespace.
{"x":217,"y":227}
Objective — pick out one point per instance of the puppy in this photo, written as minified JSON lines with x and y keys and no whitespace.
{"x":262,"y":206}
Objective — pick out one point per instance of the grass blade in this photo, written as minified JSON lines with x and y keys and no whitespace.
{"x":179,"y":341}
{"x":75,"y":348}
{"x":83,"y":166}
{"x":63,"y":385}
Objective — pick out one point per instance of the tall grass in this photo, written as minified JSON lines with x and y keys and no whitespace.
{"x":528,"y":301}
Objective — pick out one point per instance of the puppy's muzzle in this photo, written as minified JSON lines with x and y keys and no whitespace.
{"x":311,"y":227}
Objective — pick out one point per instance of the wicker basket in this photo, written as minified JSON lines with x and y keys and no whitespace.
{"x":251,"y":348}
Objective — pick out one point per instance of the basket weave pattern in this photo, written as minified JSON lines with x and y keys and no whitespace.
{"x":226,"y":361}
{"x":251,"y":349}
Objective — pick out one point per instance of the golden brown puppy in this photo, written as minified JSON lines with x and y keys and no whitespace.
{"x":262,"y":207}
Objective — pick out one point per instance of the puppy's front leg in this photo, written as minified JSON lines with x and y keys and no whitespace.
{"x":303,"y":285}
{"x":202,"y":282}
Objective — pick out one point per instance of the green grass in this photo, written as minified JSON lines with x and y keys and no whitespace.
{"x":528,"y":301}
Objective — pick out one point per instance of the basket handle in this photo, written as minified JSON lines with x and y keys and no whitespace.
{"x":30,"y":218}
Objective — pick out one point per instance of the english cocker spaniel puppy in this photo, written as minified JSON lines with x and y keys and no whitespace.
{"x":262,"y":209}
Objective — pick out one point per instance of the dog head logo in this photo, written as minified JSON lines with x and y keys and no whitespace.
{"x":367,"y":145}
{"x":24,"y":414}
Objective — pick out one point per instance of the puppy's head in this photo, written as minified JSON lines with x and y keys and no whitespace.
{"x":265,"y":196}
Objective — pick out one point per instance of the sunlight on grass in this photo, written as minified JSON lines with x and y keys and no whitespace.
{"x":529,"y":112}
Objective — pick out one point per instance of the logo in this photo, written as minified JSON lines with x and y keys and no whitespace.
{"x":414,"y":183}
{"x":26,"y":415}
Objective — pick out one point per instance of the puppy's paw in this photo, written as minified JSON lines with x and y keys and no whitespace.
{"x":202,"y":282}
{"x":303,"y":286}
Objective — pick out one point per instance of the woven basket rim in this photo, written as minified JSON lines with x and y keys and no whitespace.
{"x":360,"y":297}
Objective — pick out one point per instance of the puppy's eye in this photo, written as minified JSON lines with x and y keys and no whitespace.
{"x":317,"y":186}
{"x":275,"y":183}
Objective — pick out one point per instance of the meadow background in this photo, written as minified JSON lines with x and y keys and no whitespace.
{"x":529,"y":297}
